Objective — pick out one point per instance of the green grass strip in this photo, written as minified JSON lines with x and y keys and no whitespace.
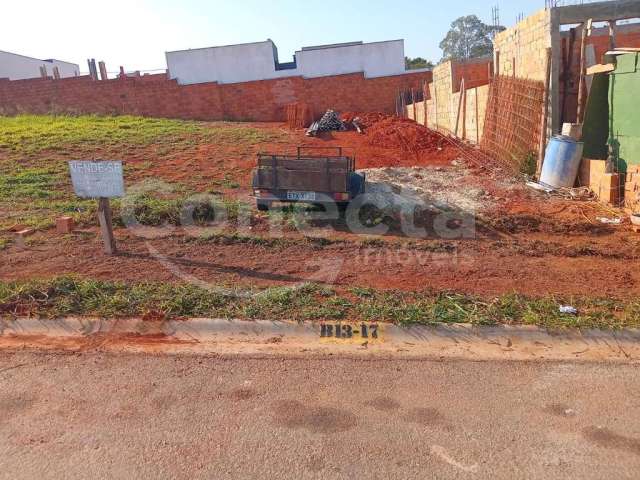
{"x":67,"y":296}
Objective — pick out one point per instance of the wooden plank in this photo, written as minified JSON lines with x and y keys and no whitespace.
{"x":602,"y":68}
{"x":455,"y":132}
{"x":413,"y":104}
{"x":311,"y":181}
{"x":545,"y":114}
{"x":106,"y":226}
{"x":477,"y":124}
{"x":304,"y":163}
{"x":567,"y":65}
{"x":103,"y":71}
{"x":464,"y":114}
{"x":581,"y":84}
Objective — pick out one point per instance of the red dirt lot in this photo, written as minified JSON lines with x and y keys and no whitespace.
{"x":525,"y":241}
{"x":481,"y":266}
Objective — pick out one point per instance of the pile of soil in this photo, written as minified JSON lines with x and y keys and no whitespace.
{"x":390,"y":131}
{"x":365,"y":119}
{"x":405,"y":134}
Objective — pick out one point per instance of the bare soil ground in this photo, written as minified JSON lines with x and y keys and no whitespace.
{"x":524,"y":241}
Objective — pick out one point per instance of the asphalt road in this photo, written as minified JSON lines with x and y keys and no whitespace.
{"x":97,"y":415}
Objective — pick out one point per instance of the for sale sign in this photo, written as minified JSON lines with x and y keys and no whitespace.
{"x":97,"y":179}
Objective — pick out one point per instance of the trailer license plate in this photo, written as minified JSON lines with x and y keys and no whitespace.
{"x":304,"y":196}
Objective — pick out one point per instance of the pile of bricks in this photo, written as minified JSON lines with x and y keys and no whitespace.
{"x":632,"y":189}
{"x":606,"y":186}
{"x":299,"y":115}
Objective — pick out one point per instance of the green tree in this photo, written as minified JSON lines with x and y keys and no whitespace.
{"x":418,"y":62}
{"x":469,"y":37}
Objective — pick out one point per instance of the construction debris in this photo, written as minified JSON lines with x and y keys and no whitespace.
{"x":329,"y":121}
{"x":539,"y":187}
{"x":576,"y":193}
{"x":430,"y":187}
{"x":609,"y":221}
{"x":569,"y":310}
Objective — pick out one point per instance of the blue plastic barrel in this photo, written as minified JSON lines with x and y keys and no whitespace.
{"x":561,"y":162}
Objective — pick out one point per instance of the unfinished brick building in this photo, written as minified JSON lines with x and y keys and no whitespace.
{"x":521,"y":51}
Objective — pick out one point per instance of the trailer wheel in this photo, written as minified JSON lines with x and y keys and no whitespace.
{"x":263,"y":205}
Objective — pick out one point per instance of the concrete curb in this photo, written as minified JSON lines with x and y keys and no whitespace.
{"x":206,"y":335}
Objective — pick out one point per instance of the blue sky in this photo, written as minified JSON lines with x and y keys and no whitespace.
{"x":137,"y":33}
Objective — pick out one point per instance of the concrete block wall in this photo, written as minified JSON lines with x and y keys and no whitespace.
{"x":475,"y":116}
{"x":157,"y":96}
{"x":442,"y":96}
{"x":523,"y":47}
{"x":441,"y":107}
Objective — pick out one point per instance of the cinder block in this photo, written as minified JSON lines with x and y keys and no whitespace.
{"x":65,"y":225}
{"x":608,"y":188}
{"x":26,"y":232}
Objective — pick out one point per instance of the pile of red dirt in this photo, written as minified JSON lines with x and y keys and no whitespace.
{"x":364,"y":119}
{"x":390,"y":131}
{"x":395,"y":132}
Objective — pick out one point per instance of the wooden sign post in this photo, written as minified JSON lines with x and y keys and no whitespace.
{"x":102,"y":180}
{"x":106,"y":226}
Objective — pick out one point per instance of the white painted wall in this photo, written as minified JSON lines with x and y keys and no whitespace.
{"x":256,"y":61}
{"x":18,"y":67}
{"x":228,"y":64}
{"x":374,"y":59}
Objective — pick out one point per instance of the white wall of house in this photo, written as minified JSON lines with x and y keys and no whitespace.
{"x":228,"y":64}
{"x":18,"y":67}
{"x":376,"y":59}
{"x":257,"y":61}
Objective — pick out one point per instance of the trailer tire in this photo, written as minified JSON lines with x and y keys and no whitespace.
{"x":263,"y":205}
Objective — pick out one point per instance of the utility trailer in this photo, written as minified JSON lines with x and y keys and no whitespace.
{"x":306,"y":178}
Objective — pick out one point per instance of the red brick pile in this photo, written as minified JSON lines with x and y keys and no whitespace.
{"x":299,"y":115}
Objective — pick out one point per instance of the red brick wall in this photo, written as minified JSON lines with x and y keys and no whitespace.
{"x":475,"y":73}
{"x":154,"y":95}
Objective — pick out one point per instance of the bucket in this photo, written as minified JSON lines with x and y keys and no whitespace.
{"x":561,"y":162}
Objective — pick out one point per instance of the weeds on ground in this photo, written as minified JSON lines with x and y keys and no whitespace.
{"x":73,"y":296}
{"x":155,"y":204}
{"x":29,"y":134}
{"x":227,"y":182}
{"x":30,"y":184}
{"x":35,"y":187}
{"x":528,"y":164}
